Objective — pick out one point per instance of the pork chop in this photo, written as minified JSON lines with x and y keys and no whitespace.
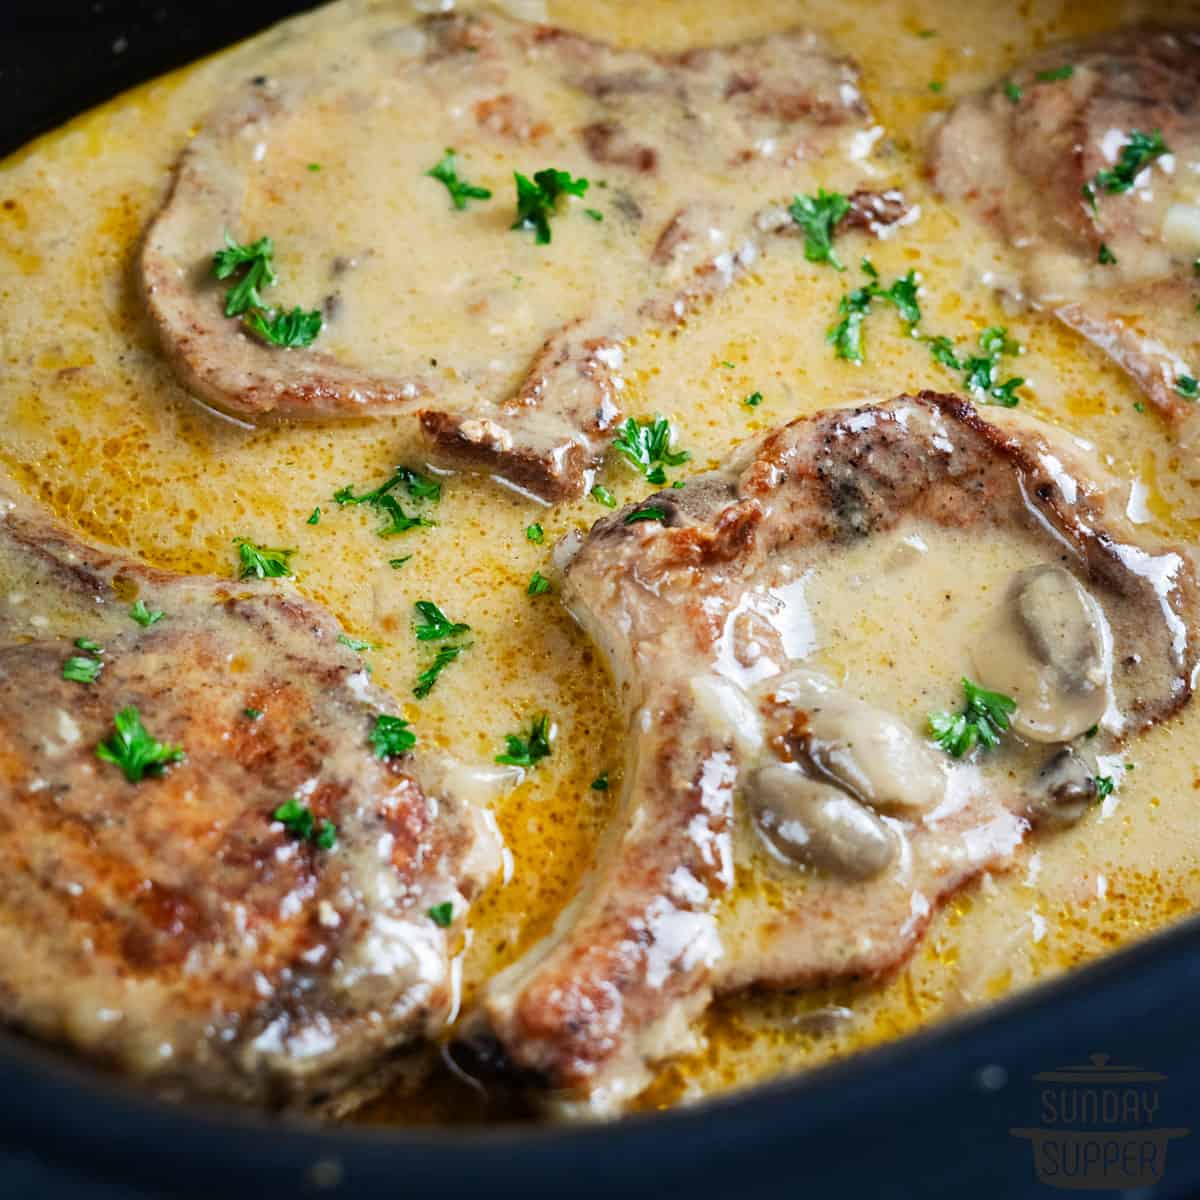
{"x":211,"y":880}
{"x":781,"y":826}
{"x":1086,"y":161}
{"x":690,"y":156}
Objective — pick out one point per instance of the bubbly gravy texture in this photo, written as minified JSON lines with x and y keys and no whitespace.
{"x":97,"y":428}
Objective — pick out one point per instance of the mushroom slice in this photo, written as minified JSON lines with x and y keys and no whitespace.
{"x":506,"y":354}
{"x":659,"y":928}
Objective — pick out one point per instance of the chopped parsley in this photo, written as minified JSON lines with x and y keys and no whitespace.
{"x":252,"y":714}
{"x":1105,"y":257}
{"x":538,"y":584}
{"x":600,"y":783}
{"x":602,"y":495}
{"x":88,"y":645}
{"x":1013,"y":91}
{"x":594,"y":213}
{"x":646,"y":445}
{"x":353,"y":643}
{"x":936,"y":86}
{"x":419,"y":488}
{"x":297,"y":818}
{"x":446,"y":172}
{"x":1105,"y":785}
{"x":846,"y":335}
{"x":144,"y":616}
{"x":1138,"y":153}
{"x":397,"y":563}
{"x":434,"y":625}
{"x":79,"y":668}
{"x":1138,"y":406}
{"x":398,"y":521}
{"x":314,"y":517}
{"x":244,"y":298}
{"x":427,"y":678}
{"x":1187,"y":387}
{"x":314,"y":166}
{"x":535,"y":533}
{"x":1056,"y":74}
{"x":537,"y":199}
{"x":979,"y":370}
{"x":818,"y":217}
{"x":983,"y":719}
{"x":649,"y":513}
{"x":528,"y":751}
{"x":262,"y":562}
{"x":133,"y":749}
{"x":442,"y":915}
{"x":753,"y":400}
{"x":391,"y":736}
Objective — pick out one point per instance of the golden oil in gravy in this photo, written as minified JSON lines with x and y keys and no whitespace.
{"x":96,"y":427}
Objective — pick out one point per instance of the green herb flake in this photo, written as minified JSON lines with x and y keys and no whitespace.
{"x":602,"y":495}
{"x":1138,"y":406}
{"x":144,"y":616}
{"x":1137,"y":153}
{"x":594,"y":213}
{"x":419,"y":487}
{"x":527,"y":751}
{"x":535,"y":533}
{"x":646,"y":446}
{"x":355,"y":644}
{"x":1056,"y":74}
{"x":1104,"y":256}
{"x":427,"y":678}
{"x":81,"y":669}
{"x":936,"y":86}
{"x":391,"y":736}
{"x":132,"y":749}
{"x":854,"y":306}
{"x":434,"y":625}
{"x":397,"y":563}
{"x":442,"y":915}
{"x":88,"y":645}
{"x":537,"y":199}
{"x":446,"y":172}
{"x":1013,"y":91}
{"x":1105,"y":785}
{"x":287,"y":329}
{"x":753,"y":400}
{"x":538,"y":584}
{"x":983,"y":719}
{"x":252,"y":714}
{"x":600,"y":783}
{"x":314,"y":166}
{"x":818,"y":217}
{"x":650,"y":513}
{"x":314,"y":517}
{"x":1187,"y":387}
{"x":255,"y":260}
{"x":261,"y":562}
{"x":297,"y":818}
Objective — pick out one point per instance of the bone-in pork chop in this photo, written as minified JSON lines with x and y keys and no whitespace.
{"x":785,"y":818}
{"x":211,"y":879}
{"x":509,"y":351}
{"x":1086,"y":161}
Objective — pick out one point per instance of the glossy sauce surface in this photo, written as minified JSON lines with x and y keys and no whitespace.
{"x":95,"y":427}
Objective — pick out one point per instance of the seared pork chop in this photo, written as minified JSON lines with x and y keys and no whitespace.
{"x":690,"y":157}
{"x":783,"y":826}
{"x":210,"y":878}
{"x":1086,"y":161}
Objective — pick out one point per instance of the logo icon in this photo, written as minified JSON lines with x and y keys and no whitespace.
{"x":1098,"y":1130}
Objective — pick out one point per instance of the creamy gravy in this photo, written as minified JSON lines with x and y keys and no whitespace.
{"x":96,"y":427}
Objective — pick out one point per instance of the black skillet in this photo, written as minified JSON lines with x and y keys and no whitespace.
{"x":932,"y":1115}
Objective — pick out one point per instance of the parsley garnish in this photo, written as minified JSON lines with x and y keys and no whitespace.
{"x":397,"y":563}
{"x":355,"y":644}
{"x":1056,"y":74}
{"x":133,"y":750}
{"x":145,"y":616}
{"x":88,"y":645}
{"x":391,"y":736}
{"x":982,"y":721}
{"x":442,"y":914}
{"x":1187,"y":387}
{"x":81,"y":669}
{"x":538,"y":584}
{"x":261,"y":562}
{"x":314,"y":517}
{"x":535,"y":533}
{"x":1138,"y":152}
{"x":1105,"y":784}
{"x":252,"y":714}
{"x":979,"y":370}
{"x":600,"y":783}
{"x":602,"y":495}
{"x":1105,"y":256}
{"x":460,"y":190}
{"x":846,"y":335}
{"x":527,"y":752}
{"x":649,"y":513}
{"x":1138,"y":406}
{"x":818,"y":216}
{"x":537,"y":199}
{"x":434,"y":624}
{"x":647,"y":446}
{"x":418,"y":486}
{"x":244,"y":298}
{"x":398,"y":521}
{"x":297,"y":818}
{"x":427,"y":678}
{"x":936,"y":86}
{"x":753,"y":400}
{"x":1013,"y":91}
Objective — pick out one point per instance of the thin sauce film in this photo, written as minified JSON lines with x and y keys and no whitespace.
{"x":97,"y":428}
